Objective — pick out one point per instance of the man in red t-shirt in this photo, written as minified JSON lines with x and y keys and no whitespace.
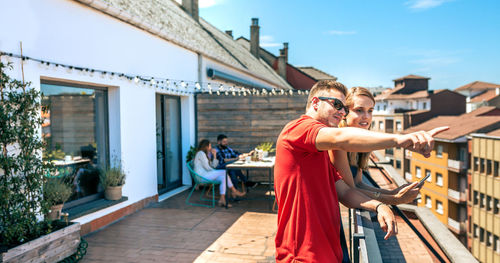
{"x":308,"y":188}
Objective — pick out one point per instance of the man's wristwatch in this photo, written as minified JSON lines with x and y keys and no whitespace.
{"x":376,"y":194}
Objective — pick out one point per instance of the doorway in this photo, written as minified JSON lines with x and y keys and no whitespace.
{"x":168,"y":142}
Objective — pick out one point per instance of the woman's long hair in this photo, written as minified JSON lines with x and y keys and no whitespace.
{"x":203,"y":146}
{"x":357,"y":159}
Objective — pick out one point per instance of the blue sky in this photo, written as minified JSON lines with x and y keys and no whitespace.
{"x":372,"y":42}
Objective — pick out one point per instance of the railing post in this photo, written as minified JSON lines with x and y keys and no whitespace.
{"x":355,"y":246}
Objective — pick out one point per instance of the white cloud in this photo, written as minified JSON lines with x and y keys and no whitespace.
{"x":340,"y":33}
{"x":268,"y":41}
{"x":425,"y":4}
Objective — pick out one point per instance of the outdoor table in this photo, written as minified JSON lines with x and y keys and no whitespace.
{"x":264,"y":164}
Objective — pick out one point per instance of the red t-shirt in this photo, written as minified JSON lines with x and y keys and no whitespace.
{"x":308,"y":208}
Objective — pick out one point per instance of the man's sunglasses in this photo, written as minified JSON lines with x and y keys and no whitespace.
{"x":336,"y":103}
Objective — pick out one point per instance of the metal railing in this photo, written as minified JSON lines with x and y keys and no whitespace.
{"x":403,"y":216}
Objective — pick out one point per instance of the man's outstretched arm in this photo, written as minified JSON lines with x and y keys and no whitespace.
{"x":352,"y":198}
{"x":352,"y":139}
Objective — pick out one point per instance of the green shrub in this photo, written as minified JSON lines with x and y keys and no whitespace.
{"x":190,"y":154}
{"x":56,"y":191}
{"x":21,"y":166}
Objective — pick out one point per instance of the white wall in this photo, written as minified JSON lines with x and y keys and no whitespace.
{"x":69,"y":33}
{"x":415,"y":104}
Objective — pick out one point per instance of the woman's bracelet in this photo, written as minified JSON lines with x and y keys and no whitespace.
{"x":376,"y":208}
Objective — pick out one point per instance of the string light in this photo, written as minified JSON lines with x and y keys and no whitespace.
{"x":158,"y":83}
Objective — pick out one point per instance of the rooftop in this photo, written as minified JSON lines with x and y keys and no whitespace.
{"x":478,"y":85}
{"x":316,"y":73}
{"x":484,"y":96}
{"x":411,"y":76}
{"x":462,"y":125}
{"x":166,"y":19}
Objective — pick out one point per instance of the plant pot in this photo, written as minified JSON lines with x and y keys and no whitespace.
{"x":52,"y":247}
{"x":55,"y":212}
{"x":113,"y":192}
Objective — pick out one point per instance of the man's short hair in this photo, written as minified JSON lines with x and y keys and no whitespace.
{"x":325,"y":85}
{"x":221,"y":137}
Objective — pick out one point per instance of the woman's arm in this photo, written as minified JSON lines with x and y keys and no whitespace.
{"x":203,"y":160}
{"x":341,"y":163}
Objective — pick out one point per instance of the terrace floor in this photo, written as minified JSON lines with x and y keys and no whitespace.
{"x":171,"y":231}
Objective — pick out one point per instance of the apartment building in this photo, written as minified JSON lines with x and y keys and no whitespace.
{"x":484,"y":197}
{"x":480,"y":93}
{"x":410,"y":103}
{"x":444,"y":192}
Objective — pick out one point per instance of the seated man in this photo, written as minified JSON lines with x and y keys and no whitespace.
{"x":227,"y":155}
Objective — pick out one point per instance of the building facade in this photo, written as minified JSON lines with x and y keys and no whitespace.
{"x":119,"y":80}
{"x":484,"y":197}
{"x":445,"y":191}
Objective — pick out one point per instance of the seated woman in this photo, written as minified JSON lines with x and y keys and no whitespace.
{"x":360,"y":103}
{"x":204,"y":163}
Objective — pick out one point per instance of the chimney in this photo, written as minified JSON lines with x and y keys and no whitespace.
{"x":285,"y":48}
{"x":282,"y":63}
{"x":230,"y":33}
{"x":254,"y":37}
{"x":191,"y":7}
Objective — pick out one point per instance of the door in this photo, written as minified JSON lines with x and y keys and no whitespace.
{"x":168,"y":142}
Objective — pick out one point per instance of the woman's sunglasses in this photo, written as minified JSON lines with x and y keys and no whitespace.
{"x":336,"y":103}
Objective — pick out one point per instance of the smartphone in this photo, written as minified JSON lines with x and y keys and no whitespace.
{"x":423,"y":180}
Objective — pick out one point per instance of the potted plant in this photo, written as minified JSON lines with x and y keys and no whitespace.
{"x":55,"y":192}
{"x":266,"y":148}
{"x":112,"y":180}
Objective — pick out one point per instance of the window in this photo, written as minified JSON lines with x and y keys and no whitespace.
{"x":496,"y":243}
{"x":439,"y":151}
{"x":385,"y":107}
{"x":476,"y":231}
{"x":483,"y":200}
{"x":496,"y":206}
{"x":489,"y":239}
{"x":381,"y":125}
{"x":439,"y":207}
{"x":496,"y":172}
{"x":398,"y":164}
{"x":481,"y":234}
{"x":489,"y":203}
{"x":425,"y":105}
{"x":476,"y":164}
{"x":75,"y":130}
{"x":418,"y":173}
{"x":428,"y":172}
{"x":481,"y":165}
{"x":419,"y":198}
{"x":378,"y":107}
{"x":373,"y":125}
{"x":389,"y":151}
{"x":476,"y":197}
{"x":488,"y":167}
{"x":399,"y":127}
{"x":428,"y":202}
{"x":439,"y":179}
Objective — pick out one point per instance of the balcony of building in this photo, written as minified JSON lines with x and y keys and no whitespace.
{"x":458,"y":228}
{"x":457,"y":196}
{"x":457,"y":165}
